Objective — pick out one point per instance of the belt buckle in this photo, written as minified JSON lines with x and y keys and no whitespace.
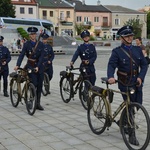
{"x":135,"y":72}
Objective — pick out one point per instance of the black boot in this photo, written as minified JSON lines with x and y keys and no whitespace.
{"x":6,"y":94}
{"x":39,"y":107}
{"x":132,"y":137}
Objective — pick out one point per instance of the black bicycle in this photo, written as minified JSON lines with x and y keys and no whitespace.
{"x":69,"y":86}
{"x":46,"y":85}
{"x":22,"y":88}
{"x":134,"y":118}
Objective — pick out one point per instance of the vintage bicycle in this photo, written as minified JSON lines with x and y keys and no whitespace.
{"x":46,"y":85}
{"x":21,"y":87}
{"x":69,"y":85}
{"x":134,"y":118}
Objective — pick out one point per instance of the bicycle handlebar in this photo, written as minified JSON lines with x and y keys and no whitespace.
{"x":105,"y":80}
{"x":27,"y":70}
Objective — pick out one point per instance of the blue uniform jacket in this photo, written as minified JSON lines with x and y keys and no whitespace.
{"x":48,"y":55}
{"x":5,"y":55}
{"x":38,"y":55}
{"x":86,"y":52}
{"x":121,"y":61}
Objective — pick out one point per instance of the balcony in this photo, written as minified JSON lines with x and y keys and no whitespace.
{"x":87,"y":23}
{"x":63,"y":19}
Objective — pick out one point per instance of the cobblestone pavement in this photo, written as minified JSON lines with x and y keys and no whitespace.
{"x":60,"y":126}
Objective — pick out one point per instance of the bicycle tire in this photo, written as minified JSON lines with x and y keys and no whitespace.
{"x":65,"y":89}
{"x":84,"y":93}
{"x":97,"y":114}
{"x":14,"y":95}
{"x":31,"y":99}
{"x":46,"y":85}
{"x":140,"y":121}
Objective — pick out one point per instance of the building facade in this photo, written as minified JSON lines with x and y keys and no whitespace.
{"x":101,"y":21}
{"x":61,"y":13}
{"x":26,"y":8}
{"x":120,"y":15}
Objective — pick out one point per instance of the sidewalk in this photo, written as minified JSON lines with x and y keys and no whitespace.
{"x":60,"y":126}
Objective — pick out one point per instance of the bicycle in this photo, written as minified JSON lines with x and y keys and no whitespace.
{"x":22,"y":88}
{"x":134,"y":117}
{"x":69,"y":86}
{"x":46,"y":85}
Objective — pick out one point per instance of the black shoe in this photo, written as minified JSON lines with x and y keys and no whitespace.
{"x":39,"y":107}
{"x":48,"y":92}
{"x":6,"y":94}
{"x":133,"y":140}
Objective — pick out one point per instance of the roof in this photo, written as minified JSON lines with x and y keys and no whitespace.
{"x":80,"y":7}
{"x":54,"y":4}
{"x":120,"y":9}
{"x":20,"y":2}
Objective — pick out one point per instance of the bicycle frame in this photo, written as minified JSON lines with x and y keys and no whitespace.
{"x":124,"y":104}
{"x":23,"y":91}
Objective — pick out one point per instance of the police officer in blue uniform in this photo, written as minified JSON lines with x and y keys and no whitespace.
{"x":48,"y":57}
{"x":33,"y":49}
{"x":132,"y":67}
{"x":88,"y":55}
{"x":4,"y":60}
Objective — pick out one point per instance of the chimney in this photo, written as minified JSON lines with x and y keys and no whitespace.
{"x":98,"y":2}
{"x":83,"y":2}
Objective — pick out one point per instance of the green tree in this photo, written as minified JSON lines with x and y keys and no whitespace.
{"x":148,"y":24}
{"x":79,"y":28}
{"x":7,"y":9}
{"x":137,"y":26}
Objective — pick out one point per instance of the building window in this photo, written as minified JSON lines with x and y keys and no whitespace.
{"x":79,"y":18}
{"x":51,"y":14}
{"x":117,"y":22}
{"x":86,"y":19}
{"x":30,"y":10}
{"x":68,"y":14}
{"x":62,"y":16}
{"x":96,"y":19}
{"x":44,"y":14}
{"x":105,"y":21}
{"x":21,"y":10}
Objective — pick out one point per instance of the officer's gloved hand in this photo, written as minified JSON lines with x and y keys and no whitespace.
{"x":71,"y":64}
{"x":16,"y":68}
{"x":139,"y":82}
{"x":36,"y":69}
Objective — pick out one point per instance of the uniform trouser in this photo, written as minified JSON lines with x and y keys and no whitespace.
{"x":49,"y":71}
{"x":37,"y":80}
{"x":91,"y":77}
{"x":136,"y":97}
{"x":4,"y":74}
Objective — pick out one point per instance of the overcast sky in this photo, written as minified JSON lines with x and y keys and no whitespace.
{"x":133,"y":4}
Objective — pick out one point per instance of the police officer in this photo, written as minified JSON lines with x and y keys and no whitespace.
{"x":33,"y":49}
{"x":88,"y":55}
{"x":4,"y":60}
{"x":48,"y":57}
{"x":132,"y":67}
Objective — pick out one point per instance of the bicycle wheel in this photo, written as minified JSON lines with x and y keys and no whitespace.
{"x":84,"y":93}
{"x":46,"y":85}
{"x":14,"y":95}
{"x":97,"y":114}
{"x":31,"y":99}
{"x":137,"y":124}
{"x":65,"y":89}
